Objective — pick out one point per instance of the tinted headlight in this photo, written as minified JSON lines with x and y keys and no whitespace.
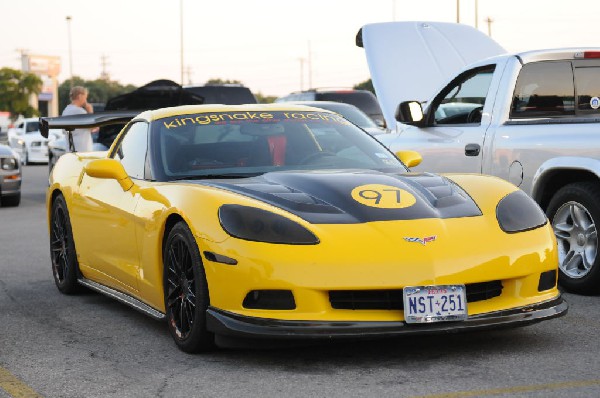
{"x":9,"y":164}
{"x":258,"y":225}
{"x":517,"y":212}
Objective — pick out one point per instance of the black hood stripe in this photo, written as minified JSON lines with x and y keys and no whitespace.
{"x":325,"y":197}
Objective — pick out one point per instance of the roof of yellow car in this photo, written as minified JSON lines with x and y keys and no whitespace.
{"x":192,"y":109}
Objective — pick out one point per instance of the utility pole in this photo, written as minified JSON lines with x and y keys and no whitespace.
{"x":301,"y":73}
{"x":310,"y":85}
{"x":188,"y":72}
{"x":457,"y":11}
{"x":476,"y":14}
{"x":104,"y":62}
{"x":489,"y":23}
{"x":24,"y":59}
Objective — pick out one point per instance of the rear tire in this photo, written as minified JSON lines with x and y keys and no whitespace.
{"x":65,"y":267}
{"x":185,"y":291}
{"x":25,"y":156}
{"x":574,"y":212}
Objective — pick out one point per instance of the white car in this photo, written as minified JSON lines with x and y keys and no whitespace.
{"x":27,"y":141}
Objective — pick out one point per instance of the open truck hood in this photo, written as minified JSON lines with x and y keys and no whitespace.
{"x":411,"y":60}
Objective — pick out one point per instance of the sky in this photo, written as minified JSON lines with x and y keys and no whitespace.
{"x":272,"y":46}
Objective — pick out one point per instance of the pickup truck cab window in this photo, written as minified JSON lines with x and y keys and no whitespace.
{"x":587,"y":87}
{"x":464,"y":98}
{"x":544,"y":89}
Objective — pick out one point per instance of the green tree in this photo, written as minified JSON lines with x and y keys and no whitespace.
{"x":366,"y":85}
{"x":16,"y":88}
{"x":264,"y":99}
{"x":100,"y":90}
{"x":223,"y":81}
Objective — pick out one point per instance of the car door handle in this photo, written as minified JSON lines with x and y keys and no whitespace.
{"x":472,"y":149}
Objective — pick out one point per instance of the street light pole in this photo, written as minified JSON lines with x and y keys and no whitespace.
{"x":181,"y":25}
{"x":70,"y":50}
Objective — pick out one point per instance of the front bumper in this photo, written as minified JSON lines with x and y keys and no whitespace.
{"x":224,"y":323}
{"x":10,"y":185}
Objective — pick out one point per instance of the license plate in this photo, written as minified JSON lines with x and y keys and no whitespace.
{"x":427,"y":304}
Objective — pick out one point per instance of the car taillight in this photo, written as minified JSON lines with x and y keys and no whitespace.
{"x":587,"y":54}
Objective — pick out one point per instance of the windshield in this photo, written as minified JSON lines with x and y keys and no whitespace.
{"x":351,"y":113}
{"x":232,"y":144}
{"x":32,"y":127}
{"x":363,"y":100}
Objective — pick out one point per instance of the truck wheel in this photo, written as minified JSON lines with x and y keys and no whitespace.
{"x":574,"y":212}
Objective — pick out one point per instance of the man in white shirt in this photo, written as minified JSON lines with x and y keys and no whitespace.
{"x":82,"y":138}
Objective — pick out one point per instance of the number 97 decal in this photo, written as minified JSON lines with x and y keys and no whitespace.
{"x":383,"y":196}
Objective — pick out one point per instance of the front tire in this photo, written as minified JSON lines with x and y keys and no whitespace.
{"x":574,"y":212}
{"x":185,"y":291}
{"x":10,"y":200}
{"x":62,"y":248}
{"x":25,"y":156}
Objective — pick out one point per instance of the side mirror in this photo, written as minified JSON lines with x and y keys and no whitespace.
{"x":410,"y":112}
{"x":410,"y":158}
{"x":109,"y":168}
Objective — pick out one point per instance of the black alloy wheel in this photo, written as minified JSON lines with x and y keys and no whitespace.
{"x":62,"y":248}
{"x":186,"y":291}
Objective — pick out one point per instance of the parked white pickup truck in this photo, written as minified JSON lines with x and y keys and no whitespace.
{"x":531,"y":118}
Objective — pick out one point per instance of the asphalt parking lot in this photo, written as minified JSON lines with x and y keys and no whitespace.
{"x":90,"y":346}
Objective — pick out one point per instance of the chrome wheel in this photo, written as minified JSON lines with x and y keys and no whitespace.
{"x":577,"y":239}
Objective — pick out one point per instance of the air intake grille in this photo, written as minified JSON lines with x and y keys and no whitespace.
{"x":392,"y":299}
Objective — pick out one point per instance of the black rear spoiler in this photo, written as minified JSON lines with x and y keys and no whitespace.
{"x":87,"y":121}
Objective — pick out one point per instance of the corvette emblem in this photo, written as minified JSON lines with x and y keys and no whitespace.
{"x":422,"y":241}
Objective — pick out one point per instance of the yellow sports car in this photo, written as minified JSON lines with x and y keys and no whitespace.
{"x":289,"y":222}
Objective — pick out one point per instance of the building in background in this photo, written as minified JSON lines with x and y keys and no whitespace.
{"x":47,"y":68}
